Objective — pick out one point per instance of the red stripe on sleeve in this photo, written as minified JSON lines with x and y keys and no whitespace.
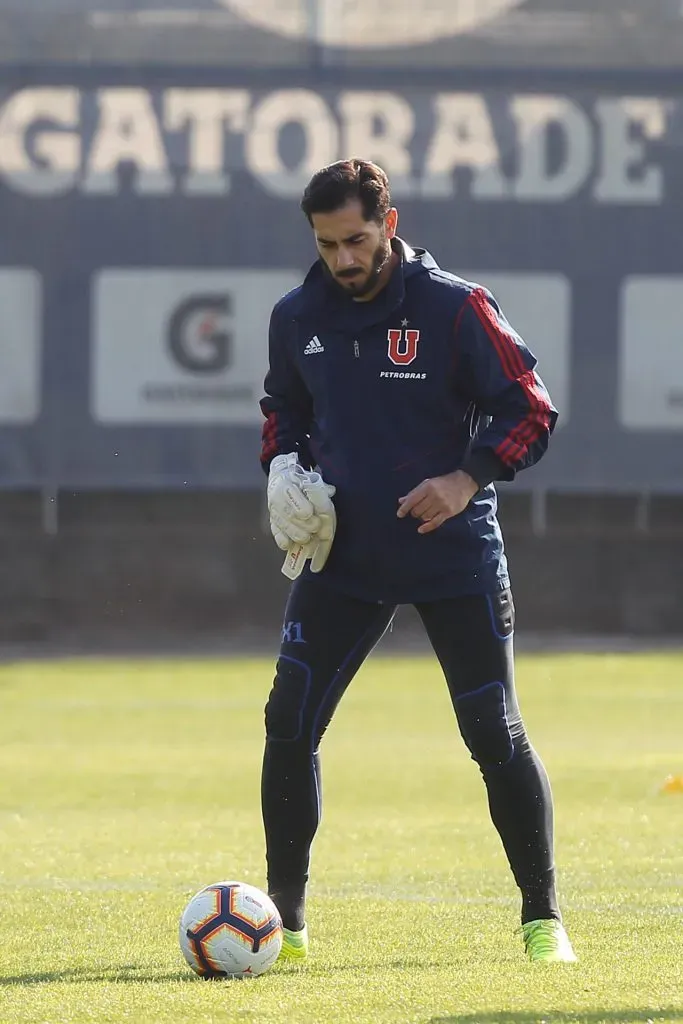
{"x":522,"y":436}
{"x":269,"y":437}
{"x":517,"y":443}
{"x":508,"y":352}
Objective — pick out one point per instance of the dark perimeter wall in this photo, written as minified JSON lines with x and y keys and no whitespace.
{"x":118,"y":571}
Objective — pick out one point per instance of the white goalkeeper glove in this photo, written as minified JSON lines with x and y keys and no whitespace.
{"x":292,"y":516}
{"x":318,"y":547}
{"x":302,"y":516}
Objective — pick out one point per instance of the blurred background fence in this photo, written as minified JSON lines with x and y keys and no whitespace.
{"x":152,"y":155}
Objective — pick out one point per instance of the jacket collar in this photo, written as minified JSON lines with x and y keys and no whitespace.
{"x":320,"y":295}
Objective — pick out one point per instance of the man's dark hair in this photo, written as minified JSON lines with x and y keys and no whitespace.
{"x":338,"y":184}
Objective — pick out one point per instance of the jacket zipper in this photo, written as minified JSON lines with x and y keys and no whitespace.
{"x":356,"y":348}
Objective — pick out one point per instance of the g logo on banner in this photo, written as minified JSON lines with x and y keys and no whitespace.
{"x":402,"y":346}
{"x":196,"y":340}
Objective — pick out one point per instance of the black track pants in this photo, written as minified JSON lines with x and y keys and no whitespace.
{"x":325,"y":639}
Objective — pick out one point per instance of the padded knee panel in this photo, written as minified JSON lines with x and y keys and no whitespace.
{"x":483,"y":721}
{"x":287,"y":700}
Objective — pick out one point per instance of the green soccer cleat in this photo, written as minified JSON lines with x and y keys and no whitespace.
{"x":547,"y":942}
{"x":294,"y":944}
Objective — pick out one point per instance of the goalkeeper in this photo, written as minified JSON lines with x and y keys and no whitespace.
{"x":396,"y":395}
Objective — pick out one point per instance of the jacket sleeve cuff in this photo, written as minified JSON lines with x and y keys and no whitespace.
{"x":484,"y":466}
{"x":301,"y":451}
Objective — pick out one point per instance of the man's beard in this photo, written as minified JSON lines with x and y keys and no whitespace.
{"x":357,"y":287}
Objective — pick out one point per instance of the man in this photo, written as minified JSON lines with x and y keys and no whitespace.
{"x":402,"y":391}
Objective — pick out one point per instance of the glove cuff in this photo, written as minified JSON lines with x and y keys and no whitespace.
{"x":281,"y":463}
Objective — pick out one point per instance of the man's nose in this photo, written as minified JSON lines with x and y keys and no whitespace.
{"x":344,"y":258}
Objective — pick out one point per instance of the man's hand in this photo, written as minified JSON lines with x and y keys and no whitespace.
{"x":292,"y":515}
{"x":437,"y":499}
{"x":320,"y":495}
{"x":302,"y":517}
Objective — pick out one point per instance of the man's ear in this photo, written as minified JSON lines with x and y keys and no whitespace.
{"x":391,"y":222}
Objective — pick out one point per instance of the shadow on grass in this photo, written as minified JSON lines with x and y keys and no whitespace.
{"x":123,"y":974}
{"x":626,"y":1016}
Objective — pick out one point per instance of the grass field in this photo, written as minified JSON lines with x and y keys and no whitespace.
{"x":126,"y":786}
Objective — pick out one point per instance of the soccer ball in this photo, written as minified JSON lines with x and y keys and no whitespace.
{"x":230,"y":929}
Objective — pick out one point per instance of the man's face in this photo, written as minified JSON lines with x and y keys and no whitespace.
{"x":354,"y":251}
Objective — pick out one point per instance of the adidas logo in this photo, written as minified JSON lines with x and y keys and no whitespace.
{"x":313,"y":346}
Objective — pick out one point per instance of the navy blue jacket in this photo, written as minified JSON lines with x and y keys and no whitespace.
{"x":426,"y":378}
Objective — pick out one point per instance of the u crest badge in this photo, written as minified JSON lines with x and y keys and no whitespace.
{"x":402,"y":346}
